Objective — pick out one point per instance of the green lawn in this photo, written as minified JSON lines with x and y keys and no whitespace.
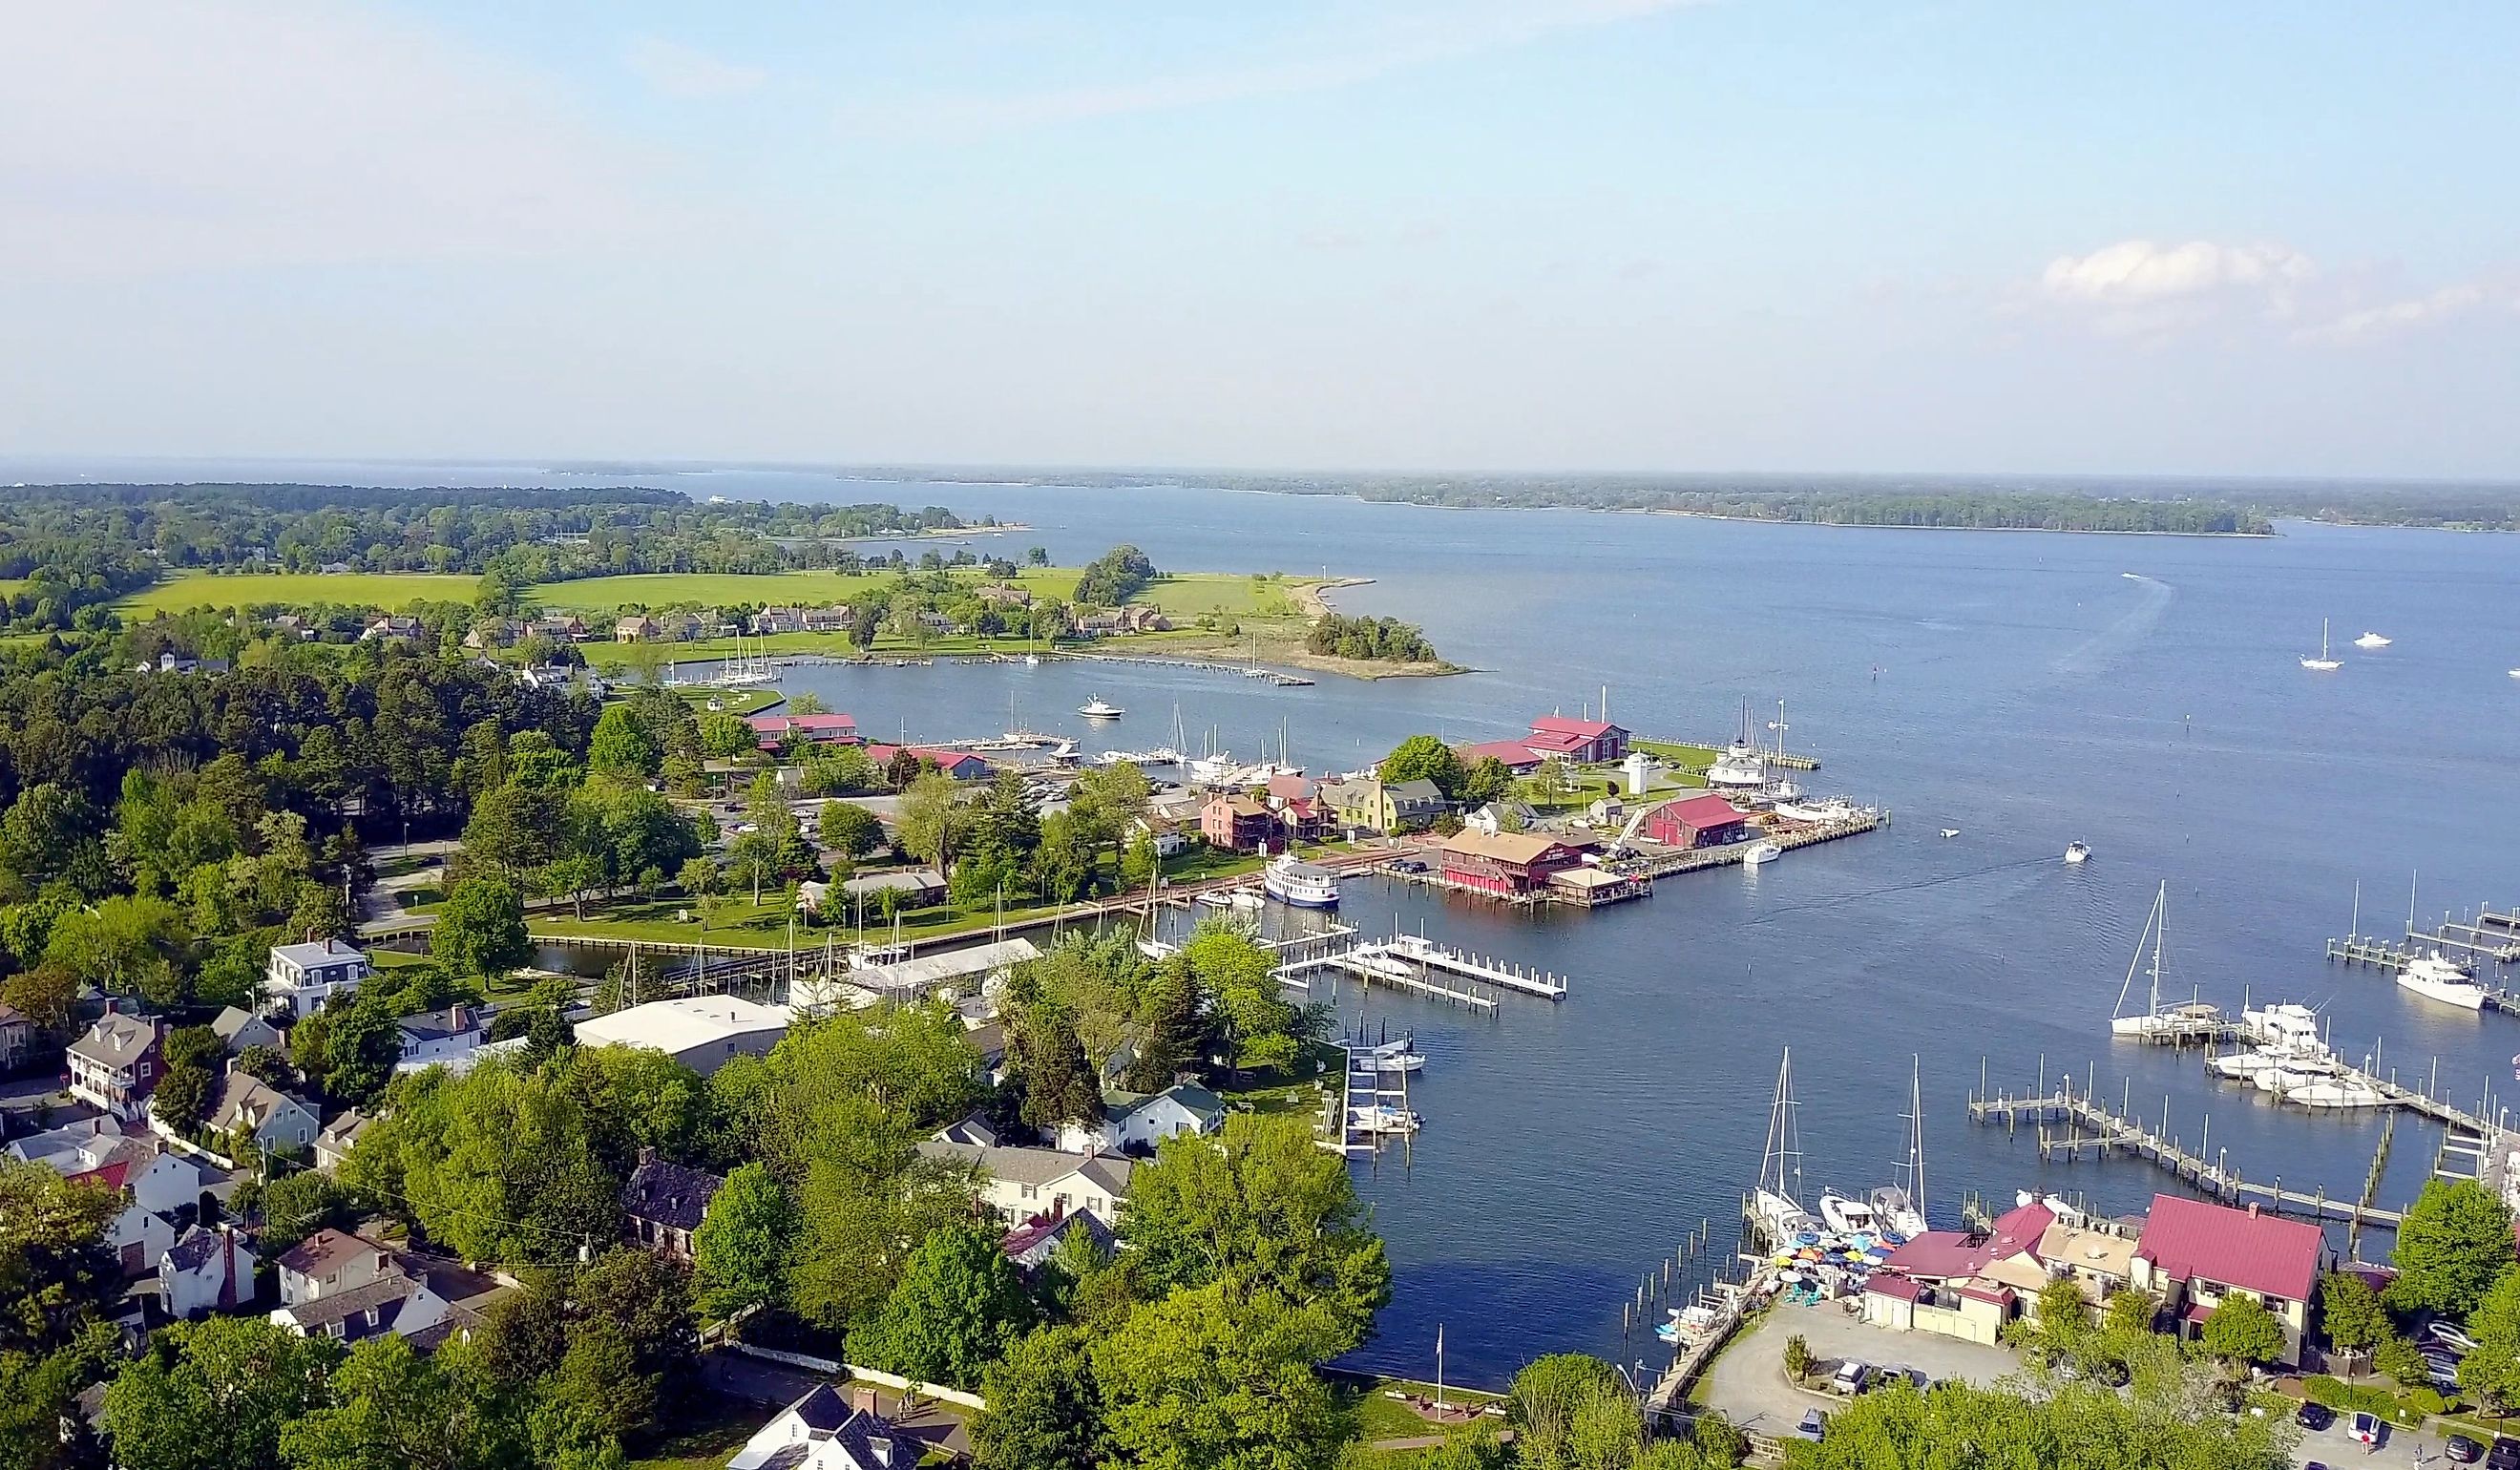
{"x":1692,"y":757}
{"x":709,"y":1440}
{"x":1223,"y":593}
{"x":186,"y":591}
{"x":1382,"y":1418}
{"x":732,"y":701}
{"x":806,"y":588}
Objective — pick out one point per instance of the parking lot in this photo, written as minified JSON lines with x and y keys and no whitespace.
{"x":1749,"y":1381}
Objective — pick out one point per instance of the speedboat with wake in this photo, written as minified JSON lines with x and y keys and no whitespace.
{"x":2076,"y":853}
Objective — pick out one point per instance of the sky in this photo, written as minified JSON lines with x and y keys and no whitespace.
{"x":1429,"y":235}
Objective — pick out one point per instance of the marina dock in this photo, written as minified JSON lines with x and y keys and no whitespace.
{"x":2091,"y":1125}
{"x":1373,"y":964}
{"x":2382,"y":954}
{"x":1426,"y":953}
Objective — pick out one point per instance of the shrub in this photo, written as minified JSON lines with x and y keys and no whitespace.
{"x":2372,"y":1399}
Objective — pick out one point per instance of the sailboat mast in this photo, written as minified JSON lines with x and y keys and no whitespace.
{"x":2160,"y":925}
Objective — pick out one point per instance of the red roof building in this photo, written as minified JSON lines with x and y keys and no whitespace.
{"x":2192,"y":1255}
{"x":1578,"y":740}
{"x":1508,"y":864}
{"x":1516,"y":755}
{"x":822,"y":729}
{"x":1707,"y":820}
{"x":962,"y":764}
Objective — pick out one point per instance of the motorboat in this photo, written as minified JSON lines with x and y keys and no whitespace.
{"x":2333,"y":1087}
{"x":2322,"y":663}
{"x":1304,"y":885}
{"x":1846,"y":1215}
{"x":2371,"y":640}
{"x":1760,"y":852}
{"x":1400,"y":1054}
{"x":1378,"y":1118}
{"x":1827,"y":809}
{"x":2076,"y":853}
{"x":1951,"y":831}
{"x":1210,"y":768}
{"x":2437,"y":979}
{"x":1099,"y":708}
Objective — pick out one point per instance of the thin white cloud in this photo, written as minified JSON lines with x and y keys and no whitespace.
{"x":155,"y":135}
{"x":2446,"y":304}
{"x":687,"y":72}
{"x":1327,"y":61}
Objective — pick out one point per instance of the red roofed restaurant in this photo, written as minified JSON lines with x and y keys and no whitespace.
{"x":1511,"y":865}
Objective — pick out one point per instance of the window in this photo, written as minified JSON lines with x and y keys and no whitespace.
{"x":144,"y":1070}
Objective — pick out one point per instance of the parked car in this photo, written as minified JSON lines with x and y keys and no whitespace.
{"x":1851,"y":1377}
{"x":2313,"y":1416}
{"x":2504,"y":1456}
{"x":2366,"y":1429}
{"x":2462,"y":1450}
{"x":2451,"y":1334}
{"x":1815,"y":1424}
{"x":1893,"y":1372}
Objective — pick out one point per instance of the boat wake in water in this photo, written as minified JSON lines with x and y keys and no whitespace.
{"x":2092,"y":655}
{"x":1887,"y":890}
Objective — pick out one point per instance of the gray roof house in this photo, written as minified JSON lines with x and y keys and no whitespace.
{"x":664,"y":1202}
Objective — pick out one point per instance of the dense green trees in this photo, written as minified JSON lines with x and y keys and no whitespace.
{"x":2074,"y":1426}
{"x":2242,"y":1330}
{"x":1046,"y":1407}
{"x":1423,"y":757}
{"x":1377,"y":640}
{"x":215,"y":1394}
{"x":957,"y":1306}
{"x":2455,"y":1242}
{"x":481,"y":927}
{"x":740,"y":1251}
{"x":1114,"y":577}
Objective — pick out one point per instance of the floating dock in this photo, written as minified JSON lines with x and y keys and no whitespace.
{"x":1372,"y":964}
{"x":1426,"y":953}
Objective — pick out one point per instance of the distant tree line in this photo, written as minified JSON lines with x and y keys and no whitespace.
{"x":1383,"y":639}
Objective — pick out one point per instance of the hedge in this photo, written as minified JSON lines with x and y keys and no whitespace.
{"x":2407,"y":1409}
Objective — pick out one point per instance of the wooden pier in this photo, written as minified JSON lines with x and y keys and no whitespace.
{"x":2091,"y":1125}
{"x":1786,"y":839}
{"x":1371,"y":964}
{"x":1426,"y":953}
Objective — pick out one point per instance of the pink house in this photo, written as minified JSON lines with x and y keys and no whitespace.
{"x":820,"y":729}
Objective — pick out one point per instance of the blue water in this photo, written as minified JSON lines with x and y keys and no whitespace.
{"x":2017,"y":687}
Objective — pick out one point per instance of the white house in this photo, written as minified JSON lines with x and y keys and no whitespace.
{"x":1025,"y":1183}
{"x":240,"y":1029}
{"x":329,"y":1262}
{"x":1163,"y":832}
{"x":446,"y":1039}
{"x":823,"y":1431}
{"x":701,"y":1032}
{"x":336,"y":1284}
{"x":306,"y":975}
{"x":139,"y":1237}
{"x":206,"y":1270}
{"x":274,"y":1118}
{"x":115,"y":1066}
{"x":1141,"y":1121}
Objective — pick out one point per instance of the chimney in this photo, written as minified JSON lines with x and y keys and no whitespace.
{"x":227,"y":1279}
{"x":2253,"y":1208}
{"x":646,"y":1155}
{"x":456,"y":1018}
{"x":112,"y":1006}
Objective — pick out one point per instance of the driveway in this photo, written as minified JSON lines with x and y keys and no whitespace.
{"x":1748,"y":1380}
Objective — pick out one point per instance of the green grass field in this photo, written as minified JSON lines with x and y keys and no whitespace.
{"x":1227,"y":593}
{"x":186,"y":591}
{"x":1188,"y":593}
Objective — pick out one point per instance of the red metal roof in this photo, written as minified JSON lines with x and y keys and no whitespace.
{"x":1702,"y":812}
{"x":2000,"y":1296}
{"x":2257,"y":1252}
{"x":1555,"y":742}
{"x":1899,"y":1287}
{"x":1515,"y":753}
{"x":2017,"y":1230}
{"x":1946,"y":1255}
{"x":1590,"y":729}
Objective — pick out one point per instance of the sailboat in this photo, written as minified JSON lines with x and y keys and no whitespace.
{"x":1902,"y":1211}
{"x":1777,"y":1201}
{"x":2153,"y":1021}
{"x":2322,"y":663}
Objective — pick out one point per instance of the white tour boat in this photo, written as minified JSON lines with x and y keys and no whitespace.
{"x":1100,"y":709}
{"x":2437,"y":979}
{"x":2077,"y":853}
{"x":2322,"y":663}
{"x":1304,"y":885}
{"x":2371,"y":640}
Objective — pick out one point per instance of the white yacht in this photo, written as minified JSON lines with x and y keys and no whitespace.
{"x":2329,"y":1089}
{"x":2076,"y":853}
{"x":2322,"y":663}
{"x":1847,"y":1214}
{"x":1760,"y":852}
{"x":1100,"y":709}
{"x":2371,"y":640}
{"x":1304,"y":885}
{"x":1827,"y":809}
{"x":2437,"y":979}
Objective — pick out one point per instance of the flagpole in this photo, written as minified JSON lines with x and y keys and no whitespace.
{"x":1439,"y":1372}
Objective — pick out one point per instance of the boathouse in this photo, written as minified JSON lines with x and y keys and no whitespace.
{"x":1512,"y":864}
{"x":1707,"y":820}
{"x":1581,"y":741}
